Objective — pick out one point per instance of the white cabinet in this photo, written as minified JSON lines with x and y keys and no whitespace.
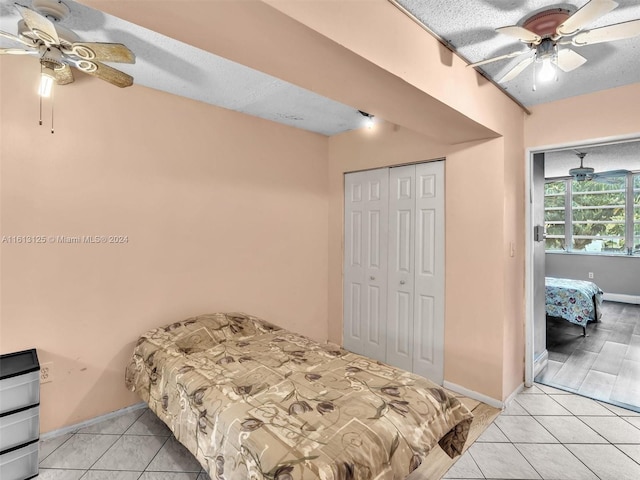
{"x":394,"y":266}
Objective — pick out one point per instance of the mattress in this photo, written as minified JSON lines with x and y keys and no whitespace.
{"x":577,"y":301}
{"x":253,"y":401}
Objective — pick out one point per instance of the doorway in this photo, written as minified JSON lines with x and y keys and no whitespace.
{"x":594,"y":242}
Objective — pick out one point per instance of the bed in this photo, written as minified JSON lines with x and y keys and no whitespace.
{"x":253,"y":401}
{"x":576,"y":301}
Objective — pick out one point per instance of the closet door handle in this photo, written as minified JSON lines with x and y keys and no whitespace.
{"x":402,"y":282}
{"x":372,"y":277}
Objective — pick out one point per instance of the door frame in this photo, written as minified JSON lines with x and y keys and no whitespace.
{"x":529,"y":324}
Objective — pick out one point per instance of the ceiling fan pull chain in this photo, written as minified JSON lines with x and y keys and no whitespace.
{"x":533,"y":85}
{"x":52,"y":104}
{"x":40,"y":97}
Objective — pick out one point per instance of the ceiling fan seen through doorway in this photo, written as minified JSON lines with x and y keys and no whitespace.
{"x":582,"y":173}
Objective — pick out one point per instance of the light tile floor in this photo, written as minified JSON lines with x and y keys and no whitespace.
{"x":133,"y":446}
{"x":550,"y":434}
{"x":543,"y":434}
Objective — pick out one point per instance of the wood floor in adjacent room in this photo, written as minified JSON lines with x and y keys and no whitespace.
{"x":605,"y":365}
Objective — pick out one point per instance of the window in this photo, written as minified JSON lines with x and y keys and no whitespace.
{"x":593,"y":217}
{"x":554,"y":214}
{"x":598,"y":216}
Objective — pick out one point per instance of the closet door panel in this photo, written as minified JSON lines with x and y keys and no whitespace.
{"x":401,"y":266}
{"x":428,"y":348}
{"x":365,"y":274}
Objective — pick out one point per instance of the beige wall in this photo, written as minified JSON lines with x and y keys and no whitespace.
{"x":373,"y":57}
{"x":484,"y":341}
{"x":223,"y":212}
{"x":484,"y":332}
{"x":607,"y":114}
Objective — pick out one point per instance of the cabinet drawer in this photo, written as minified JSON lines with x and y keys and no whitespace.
{"x":20,"y":464}
{"x":19,"y":428}
{"x":19,"y":391}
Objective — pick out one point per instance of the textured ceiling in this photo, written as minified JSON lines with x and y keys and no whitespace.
{"x":166,"y":64}
{"x":172,"y":66}
{"x":469,"y":26}
{"x":600,"y":157}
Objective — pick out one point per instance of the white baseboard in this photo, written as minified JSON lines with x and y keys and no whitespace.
{"x":91,"y":421}
{"x":519,"y":389}
{"x":475,"y":395}
{"x":540,"y":363}
{"x":622,"y":298}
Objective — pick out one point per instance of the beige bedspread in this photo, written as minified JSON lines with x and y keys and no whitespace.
{"x":253,"y":401}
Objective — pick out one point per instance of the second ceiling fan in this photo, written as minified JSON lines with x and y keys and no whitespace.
{"x":550,"y":32}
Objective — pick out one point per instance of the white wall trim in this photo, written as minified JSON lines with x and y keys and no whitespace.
{"x":519,"y":389}
{"x":91,"y":421}
{"x":474,"y":395}
{"x":540,"y":363}
{"x":529,"y":331}
{"x":622,"y":298}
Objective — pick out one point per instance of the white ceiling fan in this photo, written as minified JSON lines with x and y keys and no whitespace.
{"x":58,"y":48}
{"x":582,"y":173}
{"x":547,"y":34}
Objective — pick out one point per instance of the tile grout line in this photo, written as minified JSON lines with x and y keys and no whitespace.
{"x":475,"y":463}
{"x":569,"y":450}
{"x":473,"y":459}
{"x":558,"y":440}
{"x":111,"y":446}
{"x":154,"y":457}
{"x":51,"y":452}
{"x":163,"y":444}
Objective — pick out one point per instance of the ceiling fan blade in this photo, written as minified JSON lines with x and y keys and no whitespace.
{"x":587,"y":14}
{"x":569,"y":60}
{"x":105,"y":72}
{"x":612,"y":173}
{"x":63,"y":75}
{"x":611,"y":177}
{"x":16,"y":51}
{"x":39,"y":25}
{"x":522,"y":34}
{"x":517,"y":70}
{"x":619,"y":31}
{"x":15,"y":38}
{"x":104,"y":52}
{"x":495,"y":59}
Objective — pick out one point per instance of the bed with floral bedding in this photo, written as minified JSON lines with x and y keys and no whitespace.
{"x":253,"y":401}
{"x":577,"y":301}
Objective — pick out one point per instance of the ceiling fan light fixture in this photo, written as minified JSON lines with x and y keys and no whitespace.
{"x":546,"y":54}
{"x":368,"y":119}
{"x":547,"y":71}
{"x":47,"y":78}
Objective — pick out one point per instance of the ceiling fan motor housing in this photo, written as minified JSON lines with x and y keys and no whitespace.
{"x":581,"y":173}
{"x":546,"y":49}
{"x":546,"y":22}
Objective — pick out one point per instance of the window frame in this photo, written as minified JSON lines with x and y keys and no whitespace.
{"x":630,"y":221}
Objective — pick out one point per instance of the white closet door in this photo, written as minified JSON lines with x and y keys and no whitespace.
{"x":402,"y":205}
{"x":365,"y":272}
{"x":428,"y":332}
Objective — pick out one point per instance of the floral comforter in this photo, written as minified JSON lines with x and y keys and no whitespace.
{"x":253,"y":401}
{"x":577,"y":301}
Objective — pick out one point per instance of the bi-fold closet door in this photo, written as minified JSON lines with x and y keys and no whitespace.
{"x":394,"y":266}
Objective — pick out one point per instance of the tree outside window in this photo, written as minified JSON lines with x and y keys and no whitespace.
{"x":593,"y":217}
